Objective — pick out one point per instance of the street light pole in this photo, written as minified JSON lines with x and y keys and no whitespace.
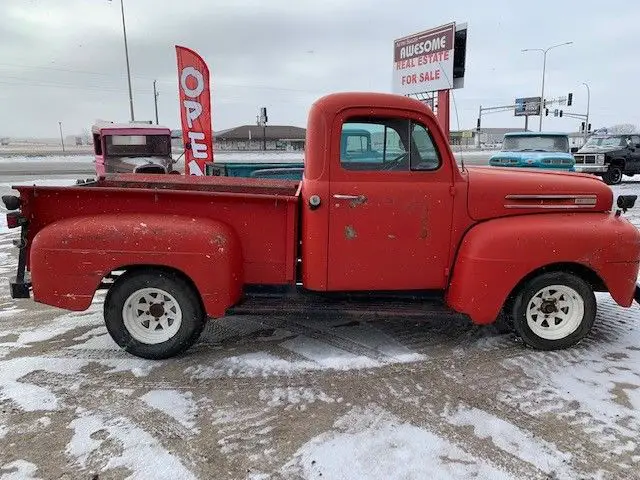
{"x":544,"y":70}
{"x":126,"y":55}
{"x":586,"y":125}
{"x":61,"y":137}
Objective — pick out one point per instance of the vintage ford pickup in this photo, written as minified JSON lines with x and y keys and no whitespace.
{"x":402,"y":232}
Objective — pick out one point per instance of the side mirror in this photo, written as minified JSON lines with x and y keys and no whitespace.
{"x":625,"y":202}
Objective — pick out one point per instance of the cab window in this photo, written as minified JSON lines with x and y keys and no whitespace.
{"x":387,"y":144}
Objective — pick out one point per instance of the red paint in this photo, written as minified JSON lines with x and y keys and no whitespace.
{"x":474,"y":235}
{"x":195,"y":110}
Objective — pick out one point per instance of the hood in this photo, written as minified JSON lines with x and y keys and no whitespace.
{"x":597,"y":149}
{"x":499,"y":192}
{"x":534,"y":155}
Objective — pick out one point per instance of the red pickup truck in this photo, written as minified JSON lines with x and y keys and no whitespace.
{"x":391,"y":227}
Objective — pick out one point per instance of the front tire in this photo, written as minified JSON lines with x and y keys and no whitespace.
{"x":554,"y":311}
{"x":613,"y":175}
{"x":153,"y":313}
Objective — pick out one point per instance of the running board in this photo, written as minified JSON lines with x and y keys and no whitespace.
{"x":319,"y":305}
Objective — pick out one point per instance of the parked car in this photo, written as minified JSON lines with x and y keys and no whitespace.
{"x":534,"y":150}
{"x":610,"y":156}
{"x":399,"y":234}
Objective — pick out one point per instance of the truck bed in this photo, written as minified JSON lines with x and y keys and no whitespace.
{"x":263,"y":213}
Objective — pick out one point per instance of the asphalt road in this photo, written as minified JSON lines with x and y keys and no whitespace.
{"x":22,"y":171}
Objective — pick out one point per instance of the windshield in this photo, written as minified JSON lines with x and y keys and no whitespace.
{"x":605,"y":142}
{"x":138,"y":145}
{"x":535,"y":143}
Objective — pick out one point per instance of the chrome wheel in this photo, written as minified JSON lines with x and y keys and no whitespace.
{"x":151,"y":315}
{"x":555,"y":312}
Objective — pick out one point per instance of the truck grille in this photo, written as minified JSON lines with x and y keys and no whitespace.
{"x":585,"y":159}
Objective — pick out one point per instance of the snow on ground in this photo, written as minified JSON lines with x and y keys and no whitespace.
{"x":302,"y":398}
{"x":113,"y":443}
{"x":43,"y":182}
{"x":361,"y":438}
{"x":18,"y":470}
{"x":178,"y":405}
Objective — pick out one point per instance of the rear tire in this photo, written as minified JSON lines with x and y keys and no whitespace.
{"x":554,"y":311}
{"x":153,"y":313}
{"x":613,"y":175}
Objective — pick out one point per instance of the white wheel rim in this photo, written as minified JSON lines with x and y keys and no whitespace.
{"x":555,"y":312}
{"x":151,"y":315}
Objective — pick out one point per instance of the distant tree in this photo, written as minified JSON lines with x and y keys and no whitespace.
{"x":622,"y":128}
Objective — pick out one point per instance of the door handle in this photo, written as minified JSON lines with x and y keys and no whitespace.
{"x":354,"y":198}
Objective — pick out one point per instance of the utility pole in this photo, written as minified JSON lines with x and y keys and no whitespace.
{"x":126,"y":55}
{"x":586,"y":125}
{"x":61,"y":137}
{"x":155,"y":100}
{"x":544,"y":70}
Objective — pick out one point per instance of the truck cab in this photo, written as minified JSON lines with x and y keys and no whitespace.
{"x":386,"y":223}
{"x":132,"y":148}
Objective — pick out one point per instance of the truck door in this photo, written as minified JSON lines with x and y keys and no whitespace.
{"x":391,"y":207}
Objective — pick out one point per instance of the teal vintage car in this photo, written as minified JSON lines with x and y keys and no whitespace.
{"x":535,"y":150}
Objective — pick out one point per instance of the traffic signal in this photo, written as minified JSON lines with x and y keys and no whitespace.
{"x":555,"y":112}
{"x":583,"y":125}
{"x":569,"y":99}
{"x":561,"y":113}
{"x":546,"y":112}
{"x":589,"y":128}
{"x":478,"y":125}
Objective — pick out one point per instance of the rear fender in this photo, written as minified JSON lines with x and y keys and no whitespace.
{"x":70,"y":258}
{"x":495,"y":256}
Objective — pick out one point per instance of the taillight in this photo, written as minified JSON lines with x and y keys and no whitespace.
{"x":15,"y":220}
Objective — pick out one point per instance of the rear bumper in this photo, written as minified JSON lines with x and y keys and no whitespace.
{"x":591,"y":168}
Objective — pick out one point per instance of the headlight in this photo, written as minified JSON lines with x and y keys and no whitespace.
{"x":600,"y":158}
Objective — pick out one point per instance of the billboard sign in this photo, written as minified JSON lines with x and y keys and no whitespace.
{"x":529,"y":106}
{"x":423,"y":62}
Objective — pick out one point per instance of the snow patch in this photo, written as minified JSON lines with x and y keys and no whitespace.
{"x":327,"y":356}
{"x":29,"y":397}
{"x":42,"y":182}
{"x":362,"y":437}
{"x":138,"y":367}
{"x":18,"y":470}
{"x":58,"y":327}
{"x":179,"y":406}
{"x":508,"y":437}
{"x":92,"y":444}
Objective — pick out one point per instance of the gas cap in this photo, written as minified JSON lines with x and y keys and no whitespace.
{"x":314,"y":201}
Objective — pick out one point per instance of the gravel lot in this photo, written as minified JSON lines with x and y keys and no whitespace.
{"x":333,"y":399}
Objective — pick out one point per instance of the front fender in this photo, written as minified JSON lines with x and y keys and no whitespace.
{"x":69,"y":258}
{"x":496,"y":255}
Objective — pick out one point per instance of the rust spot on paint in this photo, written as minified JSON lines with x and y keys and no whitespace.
{"x":350,"y":232}
{"x":360,"y":200}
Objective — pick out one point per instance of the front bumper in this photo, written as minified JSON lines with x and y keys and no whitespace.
{"x":591,"y":168}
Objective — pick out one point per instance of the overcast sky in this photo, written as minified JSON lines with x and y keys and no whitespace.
{"x":63,"y":60}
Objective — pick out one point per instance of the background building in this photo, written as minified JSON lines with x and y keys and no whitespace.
{"x":254,"y":137}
